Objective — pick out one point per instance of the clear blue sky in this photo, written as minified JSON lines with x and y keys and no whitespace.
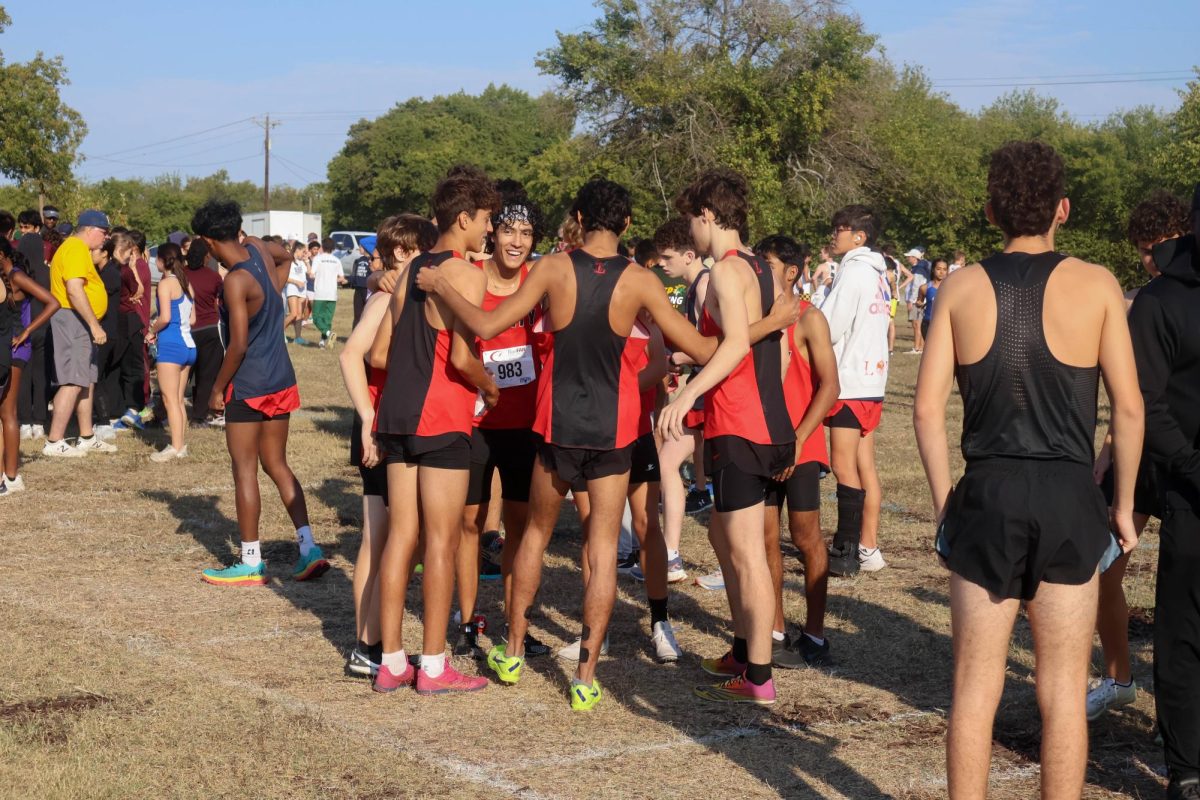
{"x":145,"y":72}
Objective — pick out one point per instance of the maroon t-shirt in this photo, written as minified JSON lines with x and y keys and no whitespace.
{"x":206,"y":289}
{"x":128,"y":290}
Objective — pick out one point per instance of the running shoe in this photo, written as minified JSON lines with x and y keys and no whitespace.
{"x":37,"y":432}
{"x":388,"y":681}
{"x":1184,"y":789}
{"x":467,"y":643}
{"x":843,"y":559}
{"x":168,"y":453}
{"x":571,"y":651}
{"x":16,"y":484}
{"x":786,"y":655}
{"x":626,"y":565}
{"x":310,"y":566}
{"x":237,"y":575}
{"x":535,"y":648}
{"x":1109,"y":694}
{"x":131,"y":419}
{"x":62,"y":449}
{"x":490,"y":571}
{"x":215,"y":420}
{"x":675,"y":570}
{"x":723,"y":667}
{"x":714,"y":581}
{"x":359,"y":663}
{"x":331,"y":339}
{"x":870,"y":560}
{"x":94,"y":445}
{"x":662,"y":637}
{"x":492,"y":542}
{"x":106,"y":432}
{"x":738,"y":690}
{"x":507,"y":668}
{"x":450,"y":681}
{"x":637,"y":574}
{"x":321,"y":343}
{"x":584,"y":697}
{"x":26,"y":432}
{"x":697,"y":501}
{"x":300,"y":340}
{"x":815,"y":655}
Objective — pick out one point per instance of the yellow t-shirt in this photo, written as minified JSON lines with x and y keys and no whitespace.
{"x":74,"y":260}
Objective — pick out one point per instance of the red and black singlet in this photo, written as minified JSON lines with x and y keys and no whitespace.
{"x":424,"y":394}
{"x":514,"y":358}
{"x":798,"y":391}
{"x":749,"y":402}
{"x":588,"y":394}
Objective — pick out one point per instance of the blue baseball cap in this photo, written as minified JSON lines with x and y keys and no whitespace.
{"x":367,"y":243}
{"x":93,"y":219}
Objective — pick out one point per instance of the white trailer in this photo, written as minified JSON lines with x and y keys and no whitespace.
{"x":288,"y":224}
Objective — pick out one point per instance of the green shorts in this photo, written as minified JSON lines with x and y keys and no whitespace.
{"x":322,"y":315}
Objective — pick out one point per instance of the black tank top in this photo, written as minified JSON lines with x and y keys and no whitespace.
{"x":1019,"y":401}
{"x":691,"y":306}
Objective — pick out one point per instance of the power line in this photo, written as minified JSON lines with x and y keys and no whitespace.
{"x":288,"y":161}
{"x":1076,"y":75}
{"x":1052,"y":83}
{"x":177,"y":166}
{"x":176,"y":138}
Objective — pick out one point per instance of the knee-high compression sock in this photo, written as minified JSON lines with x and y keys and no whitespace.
{"x":658,"y":610}
{"x":850,"y":514}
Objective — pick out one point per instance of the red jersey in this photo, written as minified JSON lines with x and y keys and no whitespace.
{"x":798,"y":391}
{"x":514,"y":359}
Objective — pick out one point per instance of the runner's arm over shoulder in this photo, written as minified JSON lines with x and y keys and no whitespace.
{"x":470,"y":284}
{"x":656,"y":367}
{"x":727,"y":282}
{"x":674,"y":326}
{"x":352,"y":359}
{"x":489,"y":324}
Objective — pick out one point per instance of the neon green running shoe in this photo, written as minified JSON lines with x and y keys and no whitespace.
{"x":584,"y":697}
{"x":507,"y":668}
{"x":237,"y":575}
{"x":310,"y":566}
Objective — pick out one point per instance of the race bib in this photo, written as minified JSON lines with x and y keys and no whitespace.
{"x":511,"y":366}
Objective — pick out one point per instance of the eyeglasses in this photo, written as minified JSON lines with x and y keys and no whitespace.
{"x":842,"y":229}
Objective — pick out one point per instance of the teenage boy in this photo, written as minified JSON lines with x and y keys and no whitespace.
{"x":1164,"y":320}
{"x":1028,"y":333}
{"x":256,"y":389}
{"x":424,"y":429}
{"x":858,"y":310}
{"x":811,"y":388}
{"x":587,"y":407}
{"x":327,"y":277}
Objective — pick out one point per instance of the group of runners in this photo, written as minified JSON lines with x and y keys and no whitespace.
{"x":551,"y":372}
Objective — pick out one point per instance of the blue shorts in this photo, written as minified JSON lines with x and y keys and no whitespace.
{"x":176,"y":353}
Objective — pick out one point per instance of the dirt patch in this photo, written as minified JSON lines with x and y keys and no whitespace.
{"x":63,"y":704}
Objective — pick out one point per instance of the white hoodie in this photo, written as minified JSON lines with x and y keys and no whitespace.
{"x":858,"y":309}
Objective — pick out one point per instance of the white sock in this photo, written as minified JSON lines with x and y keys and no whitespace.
{"x":396,"y":662}
{"x":433,"y":666}
{"x":778,"y":636}
{"x":304,"y":539}
{"x":815,"y":639}
{"x":251,"y":554}
{"x":672,"y":555}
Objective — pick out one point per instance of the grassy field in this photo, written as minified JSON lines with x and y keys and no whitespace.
{"x":125,"y":676}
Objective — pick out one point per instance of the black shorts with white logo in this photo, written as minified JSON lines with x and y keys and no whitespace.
{"x":645,"y":461}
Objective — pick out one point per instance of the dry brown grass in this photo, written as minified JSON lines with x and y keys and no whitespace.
{"x":125,"y":676}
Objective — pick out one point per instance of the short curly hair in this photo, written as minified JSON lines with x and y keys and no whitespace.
{"x":220,"y":220}
{"x":603,"y":205}
{"x":674,"y":234}
{"x":1160,"y":216}
{"x":1026,"y":180}
{"x":724,"y":192}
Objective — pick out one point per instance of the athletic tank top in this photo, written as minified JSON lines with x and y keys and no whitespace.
{"x":514,"y":359}
{"x":266,"y":368}
{"x":798,"y":391}
{"x":690,"y":300}
{"x":588,"y":394}
{"x":179,"y":329}
{"x":25,"y":311}
{"x":425,"y":394}
{"x":1019,"y":401}
{"x":930,"y":295}
{"x":749,"y":403}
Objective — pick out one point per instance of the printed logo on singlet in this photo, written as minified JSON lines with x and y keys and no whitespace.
{"x":599,"y":268}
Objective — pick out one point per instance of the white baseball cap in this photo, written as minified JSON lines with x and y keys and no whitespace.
{"x":916,"y":252}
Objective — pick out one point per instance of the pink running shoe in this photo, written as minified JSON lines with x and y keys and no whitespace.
{"x":738,"y":690}
{"x":724,"y":667}
{"x":451,"y":680}
{"x":387,"y":681}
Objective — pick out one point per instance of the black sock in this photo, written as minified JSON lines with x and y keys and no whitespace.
{"x":741,"y":652}
{"x":850,"y":513}
{"x":658,"y":610}
{"x":758,"y":674}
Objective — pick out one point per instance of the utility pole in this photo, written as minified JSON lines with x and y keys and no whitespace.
{"x":266,"y":125}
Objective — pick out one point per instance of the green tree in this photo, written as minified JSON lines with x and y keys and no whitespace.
{"x":391,"y":164}
{"x":39,"y":134}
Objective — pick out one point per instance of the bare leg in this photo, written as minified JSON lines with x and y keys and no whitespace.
{"x":545,"y":499}
{"x":443,"y":492}
{"x":698,"y":460}
{"x":65,"y":400}
{"x":873,"y":502}
{"x":1062,"y":618}
{"x":10,"y":442}
{"x":396,"y":562}
{"x":516,"y":516}
{"x":671,"y":456}
{"x":467,"y":559}
{"x":643,"y":505}
{"x":170,"y":376}
{"x":1112,"y":621}
{"x":748,"y":559}
{"x":242,"y":440}
{"x":716,"y":537}
{"x":774,"y":562}
{"x":604,"y":527}
{"x":806,"y":536}
{"x":83,"y":411}
{"x":273,"y":454}
{"x":844,"y":456}
{"x":366,"y":569}
{"x":981,"y":626}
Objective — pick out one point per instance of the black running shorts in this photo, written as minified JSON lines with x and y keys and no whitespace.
{"x":575,"y":464}
{"x":446,"y":451}
{"x":374,"y":479}
{"x":802,"y":490}
{"x":511,"y":451}
{"x":1013,"y":523}
{"x":240,"y":411}
{"x":741,"y":471}
{"x":1145,"y":490}
{"x":645,"y":461}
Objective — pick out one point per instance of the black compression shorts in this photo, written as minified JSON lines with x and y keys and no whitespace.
{"x":802,"y":490}
{"x":510,"y":451}
{"x":645,"y":461}
{"x":742,"y":471}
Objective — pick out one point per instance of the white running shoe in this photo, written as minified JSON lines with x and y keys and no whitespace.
{"x":1109,"y":694}
{"x":870,"y":560}
{"x":37,"y":432}
{"x":105,"y":432}
{"x":675,"y":570}
{"x":11,"y":485}
{"x":571,"y":651}
{"x":26,"y":433}
{"x":61,"y":449}
{"x":714,"y":581}
{"x":95,"y":444}
{"x":666,"y":649}
{"x":168,"y":453}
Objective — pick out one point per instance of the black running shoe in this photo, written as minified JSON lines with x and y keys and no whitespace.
{"x":490,"y":571}
{"x":535,"y":648}
{"x":785,"y":655}
{"x":491,"y":542}
{"x":843,"y":559}
{"x":467,"y":643}
{"x":815,"y":655}
{"x":625,"y":565}
{"x":697,"y":501}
